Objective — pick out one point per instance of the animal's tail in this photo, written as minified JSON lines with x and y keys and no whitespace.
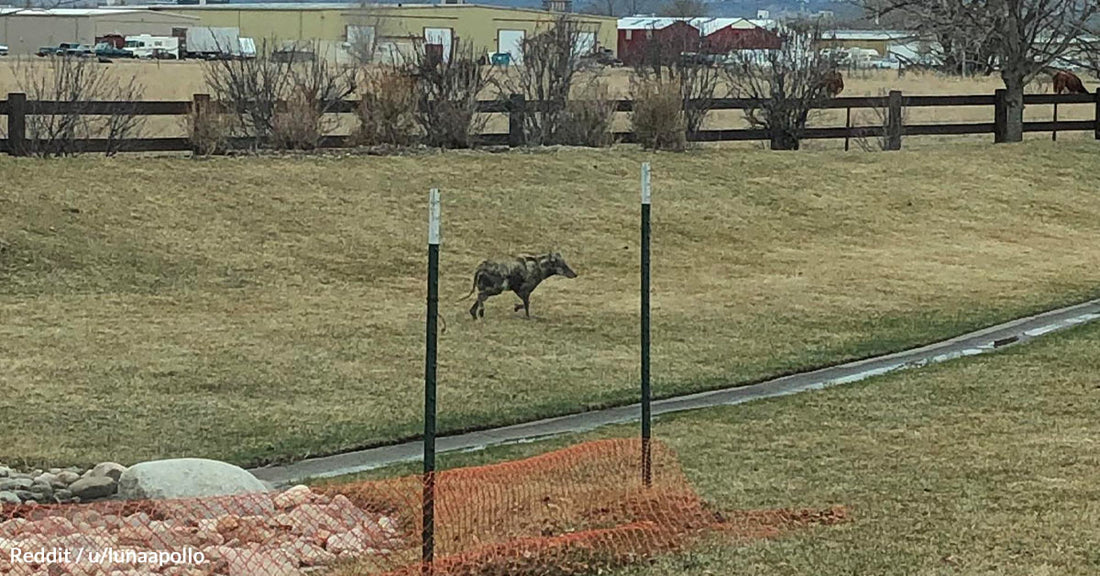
{"x":472,"y":288}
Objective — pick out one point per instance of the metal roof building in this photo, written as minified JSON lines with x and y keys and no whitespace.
{"x":26,"y":30}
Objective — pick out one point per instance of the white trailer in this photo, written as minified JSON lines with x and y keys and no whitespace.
{"x":148,"y":46}
{"x":209,"y":42}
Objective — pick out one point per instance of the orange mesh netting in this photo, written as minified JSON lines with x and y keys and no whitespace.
{"x":570,"y":511}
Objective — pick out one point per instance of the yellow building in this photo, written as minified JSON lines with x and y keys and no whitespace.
{"x":342,"y":31}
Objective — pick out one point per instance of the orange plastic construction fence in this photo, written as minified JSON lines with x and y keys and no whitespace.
{"x":566,"y":512}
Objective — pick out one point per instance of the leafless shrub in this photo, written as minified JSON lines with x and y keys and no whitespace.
{"x":588,"y":117}
{"x":208,"y":130}
{"x":788,"y":85}
{"x":259,"y":92}
{"x":658,"y":119}
{"x":299,"y":123}
{"x":879,"y":119}
{"x":387,"y":111}
{"x":447,"y":90}
{"x":1039,"y":85}
{"x":78,"y":82}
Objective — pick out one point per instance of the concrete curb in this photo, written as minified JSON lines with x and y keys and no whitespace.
{"x":977,"y":342}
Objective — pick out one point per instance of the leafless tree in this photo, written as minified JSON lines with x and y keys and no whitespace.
{"x":788,"y":84}
{"x":684,"y":8}
{"x":363,"y":34}
{"x":78,"y":83}
{"x":1086,"y":53}
{"x":447,"y":89}
{"x":683,"y":59}
{"x":551,"y":61}
{"x":605,"y":7}
{"x":1024,"y":36}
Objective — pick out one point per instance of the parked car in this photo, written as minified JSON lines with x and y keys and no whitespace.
{"x":73,"y":49}
{"x":888,"y":63}
{"x":65,"y":49}
{"x":3,"y":49}
{"x":293,"y":55}
{"x":108,"y":50}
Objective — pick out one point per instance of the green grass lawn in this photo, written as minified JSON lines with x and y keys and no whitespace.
{"x":265,"y":309}
{"x":986,"y":465}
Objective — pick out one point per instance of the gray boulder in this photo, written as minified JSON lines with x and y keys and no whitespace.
{"x":66,"y":477}
{"x":92,"y":488}
{"x":43,"y":489}
{"x":9,"y":498}
{"x":15,"y":484}
{"x":5,"y":471}
{"x":110,"y":470}
{"x":186,"y":478}
{"x":45,"y":478}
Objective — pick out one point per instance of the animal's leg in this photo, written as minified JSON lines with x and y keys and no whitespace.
{"x":479,"y":305}
{"x":482,"y":296}
{"x":526,"y":305}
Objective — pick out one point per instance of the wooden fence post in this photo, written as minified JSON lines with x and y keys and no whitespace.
{"x":848,"y":125}
{"x":17,"y":124}
{"x":517,"y":108}
{"x":893,"y":122}
{"x":200,"y":103}
{"x":1054,"y":133}
{"x":1000,"y":115}
{"x":1096,"y":116}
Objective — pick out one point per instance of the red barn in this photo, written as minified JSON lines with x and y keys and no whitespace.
{"x":724,"y":35}
{"x":647,"y":37}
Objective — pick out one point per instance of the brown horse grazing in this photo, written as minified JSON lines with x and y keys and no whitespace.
{"x":833,"y":83}
{"x":1068,"y":82}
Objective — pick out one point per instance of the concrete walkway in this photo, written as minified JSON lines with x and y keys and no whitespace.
{"x":979,"y":342}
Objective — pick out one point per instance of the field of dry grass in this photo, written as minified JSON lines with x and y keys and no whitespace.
{"x":164,"y":80}
{"x":259,"y":309}
{"x":985,"y":465}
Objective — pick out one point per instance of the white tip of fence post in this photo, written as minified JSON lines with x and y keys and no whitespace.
{"x":433,"y":216}
{"x":645,"y":183}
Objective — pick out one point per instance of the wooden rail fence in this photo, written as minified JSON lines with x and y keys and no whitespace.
{"x":16,"y":108}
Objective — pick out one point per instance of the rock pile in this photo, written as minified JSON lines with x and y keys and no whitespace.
{"x":59,"y":485}
{"x":298,"y":531}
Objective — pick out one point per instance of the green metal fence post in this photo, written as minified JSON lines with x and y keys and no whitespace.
{"x":647,"y":473}
{"x":428,"y":534}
